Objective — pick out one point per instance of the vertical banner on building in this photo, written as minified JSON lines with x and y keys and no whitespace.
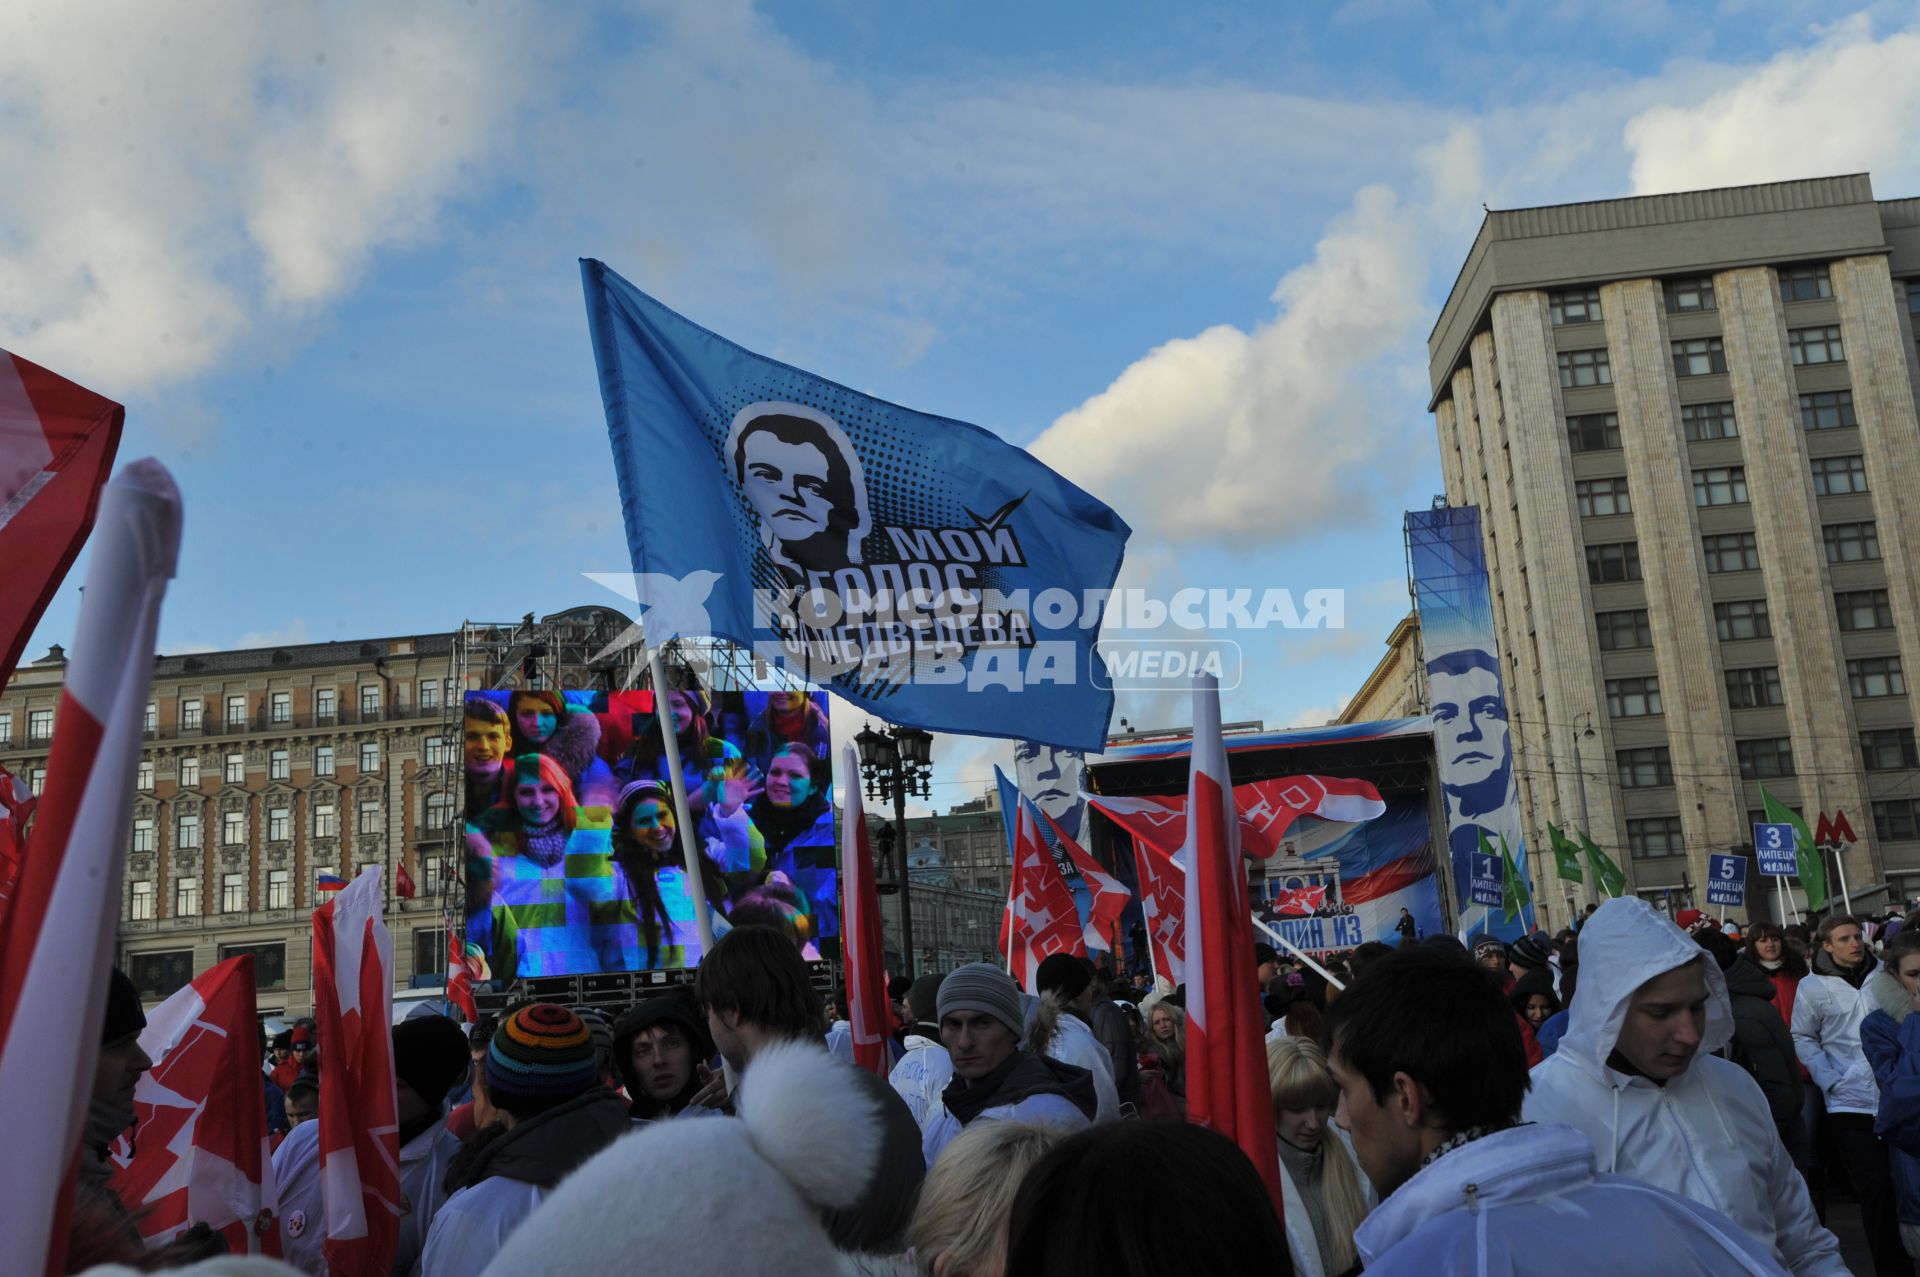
{"x":1052,"y":778}
{"x":1467,"y":693}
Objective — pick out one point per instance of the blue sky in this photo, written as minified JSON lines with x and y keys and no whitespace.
{"x":326,"y":257}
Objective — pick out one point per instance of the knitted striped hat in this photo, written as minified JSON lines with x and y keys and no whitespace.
{"x":541,"y":1052}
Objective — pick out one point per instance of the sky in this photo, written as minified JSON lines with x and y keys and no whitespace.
{"x":326,"y":256}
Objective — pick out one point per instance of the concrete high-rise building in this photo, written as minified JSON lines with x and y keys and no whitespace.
{"x":1689,"y":422}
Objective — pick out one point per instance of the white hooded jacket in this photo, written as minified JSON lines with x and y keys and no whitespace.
{"x":1707,"y":1134}
{"x":1827,"y":1012}
{"x":920,"y":1076}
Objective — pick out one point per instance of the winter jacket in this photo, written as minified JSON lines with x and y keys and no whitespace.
{"x":575,"y":745}
{"x":1893,"y":1051}
{"x":303,"y":1221}
{"x":1826,"y":1035}
{"x":922,"y":1073}
{"x":1027,"y":1088}
{"x":1059,"y":1033}
{"x":1526,"y":1201}
{"x":1764,"y":1048}
{"x":1551,"y":1031}
{"x":1302,"y":1242}
{"x":1110,"y":1026}
{"x":423,"y":1189}
{"x":1708,"y":1133}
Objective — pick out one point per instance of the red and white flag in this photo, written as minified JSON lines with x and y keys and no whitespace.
{"x":200,"y":1147}
{"x":459,"y":975}
{"x":57,"y":442}
{"x":1156,"y":829}
{"x":1041,"y":918}
{"x":1299,"y":901}
{"x":16,"y":809}
{"x":56,"y":939}
{"x":1269,"y":808}
{"x":1227,"y":1085}
{"x":862,"y":949}
{"x":1107,"y":895}
{"x":359,"y":1107}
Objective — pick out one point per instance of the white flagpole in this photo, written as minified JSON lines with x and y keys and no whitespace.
{"x":1297,"y":952}
{"x":1839,"y":863}
{"x":689,"y":846}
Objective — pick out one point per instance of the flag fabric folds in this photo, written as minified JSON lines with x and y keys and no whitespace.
{"x":862,"y":946}
{"x":890,"y":554}
{"x":359,"y":1108}
{"x":1107,"y":895}
{"x":16,"y":809}
{"x":1566,"y":855}
{"x":1806,"y":853}
{"x":201,"y":1152}
{"x":460,"y":974}
{"x":1267,"y":810}
{"x":57,"y":937}
{"x":1299,"y":901}
{"x":1041,"y":919}
{"x":57,"y":443}
{"x":1514,"y":892}
{"x":329,"y":882}
{"x":1612,"y":879}
{"x":1227,"y":1086}
{"x":403,"y":884}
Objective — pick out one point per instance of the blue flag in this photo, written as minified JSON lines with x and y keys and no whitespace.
{"x":921,"y":567}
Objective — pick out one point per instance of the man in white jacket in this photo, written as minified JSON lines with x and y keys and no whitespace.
{"x":1635,"y":1073}
{"x":924,"y":1071}
{"x":1431,"y":1071}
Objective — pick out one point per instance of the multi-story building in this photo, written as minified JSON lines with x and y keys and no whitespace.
{"x":1393,"y":689}
{"x":260,"y":771}
{"x":1689,"y":423}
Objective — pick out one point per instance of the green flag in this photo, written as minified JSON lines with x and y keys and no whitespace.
{"x":1605,"y":872}
{"x":1813,"y":869}
{"x":1513,"y":888}
{"x":1566,"y":856}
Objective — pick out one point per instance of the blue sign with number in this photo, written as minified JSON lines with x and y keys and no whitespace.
{"x":1775,"y":845}
{"x":1484,"y":889}
{"x":1727,"y":880}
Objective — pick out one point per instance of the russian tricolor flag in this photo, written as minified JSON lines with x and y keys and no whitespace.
{"x":329,"y":882}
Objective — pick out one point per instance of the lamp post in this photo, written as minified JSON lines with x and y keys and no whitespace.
{"x":895,"y":765}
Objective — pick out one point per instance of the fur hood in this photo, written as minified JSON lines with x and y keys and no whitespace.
{"x":575,"y":745}
{"x":739,"y":1195}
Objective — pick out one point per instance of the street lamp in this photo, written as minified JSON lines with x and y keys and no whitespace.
{"x":895,"y":765}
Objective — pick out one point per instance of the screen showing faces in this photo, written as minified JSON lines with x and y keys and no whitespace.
{"x":576,"y":859}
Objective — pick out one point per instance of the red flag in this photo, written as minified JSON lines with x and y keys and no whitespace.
{"x":16,"y":808}
{"x":359,"y":1108}
{"x":1107,"y":895}
{"x":57,"y":936}
{"x":1227,"y":1086}
{"x":1041,"y":918}
{"x":861,"y":946}
{"x":200,"y":1148}
{"x":1267,"y":810}
{"x":459,"y":975}
{"x":57,"y":442}
{"x":1299,"y":901}
{"x":403,"y":885}
{"x":1163,"y":883}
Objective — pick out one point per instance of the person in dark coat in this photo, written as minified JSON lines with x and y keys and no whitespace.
{"x":1761,"y":1043}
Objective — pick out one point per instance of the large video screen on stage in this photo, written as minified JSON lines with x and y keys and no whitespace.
{"x":574,"y":860}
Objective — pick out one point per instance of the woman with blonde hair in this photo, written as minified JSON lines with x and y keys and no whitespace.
{"x":959,"y":1229}
{"x":1325,"y":1194}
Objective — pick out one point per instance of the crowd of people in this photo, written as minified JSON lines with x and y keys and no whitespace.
{"x":1631,"y":1091}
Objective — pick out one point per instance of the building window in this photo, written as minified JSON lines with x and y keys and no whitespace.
{"x":186,"y":832}
{"x":1602,"y":496}
{"x":233,"y":828}
{"x":144,"y":835}
{"x":1594,"y":432}
{"x":1753,"y":688}
{"x":438,"y":750}
{"x":434,"y":871}
{"x":1619,"y":561}
{"x":1896,"y":820}
{"x":1633,"y":697}
{"x":278,"y":763}
{"x":279,"y":888}
{"x":190,"y":716}
{"x":236,"y":771}
{"x":1624,"y":630}
{"x":160,"y":975}
{"x":1720,"y":485}
{"x":1838,"y":476}
{"x":429,"y":951}
{"x":1851,"y":542}
{"x":323,"y":760}
{"x":1869,"y":676}
{"x":37,"y":781}
{"x":1704,"y":421}
{"x":233,"y":893}
{"x":1575,"y":306}
{"x":236,"y":711}
{"x":1808,"y":346}
{"x":280,"y":708}
{"x":323,"y":710}
{"x":370,"y":817}
{"x":1585,"y":368}
{"x":1685,"y":295}
{"x":1764,"y":759}
{"x":150,"y":721}
{"x":279,"y":824}
{"x":370,"y":756}
{"x":39,"y":724}
{"x":370,"y":700}
{"x":1863,"y":610}
{"x":1698,"y":356}
{"x":429,"y":693}
{"x":1731,"y":552}
{"x":6,"y":728}
{"x":1888,"y":749}
{"x":189,"y":772}
{"x":1742,"y":619}
{"x":141,"y":908}
{"x":186,"y":898}
{"x":325,"y":823}
{"x":269,"y":962}
{"x":1655,"y":836}
{"x":1805,"y":284}
{"x":1644,"y":768}
{"x":1827,"y":410}
{"x":143,"y":778}
{"x":439,"y":811}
